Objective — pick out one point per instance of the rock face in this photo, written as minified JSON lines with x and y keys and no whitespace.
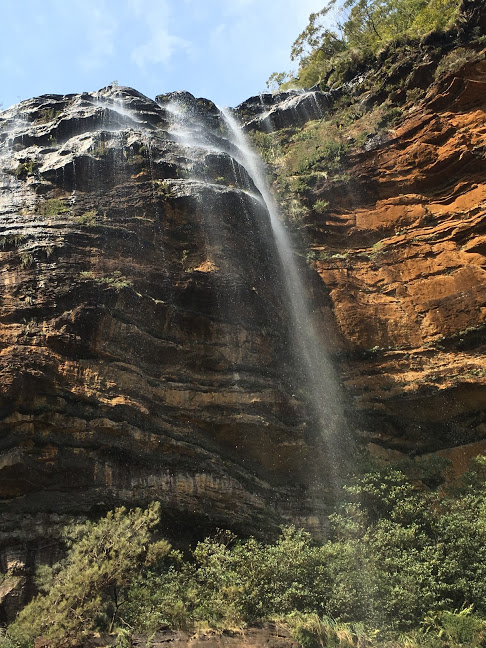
{"x":267,"y":112}
{"x":144,"y":337}
{"x":412,"y":284}
{"x":270,"y":635}
{"x":401,"y":248}
{"x":144,"y":333}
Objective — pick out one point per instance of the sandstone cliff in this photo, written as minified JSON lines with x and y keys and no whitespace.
{"x":391,"y":212}
{"x":144,"y":340}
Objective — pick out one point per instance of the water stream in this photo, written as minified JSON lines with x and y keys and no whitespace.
{"x":322,"y":388}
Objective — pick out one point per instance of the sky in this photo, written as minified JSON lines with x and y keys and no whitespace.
{"x":223,"y":50}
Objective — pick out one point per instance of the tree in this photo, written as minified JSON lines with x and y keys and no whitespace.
{"x":86,"y":591}
{"x":359,"y":29}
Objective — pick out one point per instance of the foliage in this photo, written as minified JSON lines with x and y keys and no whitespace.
{"x":230,"y":583}
{"x":456,"y":627}
{"x":267,"y":145}
{"x":26,"y":259}
{"x":454,"y":60}
{"x":11,"y":240}
{"x":87,"y":590}
{"x":115,"y":280}
{"x":46,"y":115}
{"x":399,"y":553}
{"x":361,"y":29}
{"x":321,"y":206}
{"x":164,"y":188}
{"x":52,"y":207}
{"x":100,"y":149}
{"x":401,"y":558}
{"x":302,"y":159}
{"x":88,"y":219}
{"x":25,"y":169}
{"x":313,"y":631}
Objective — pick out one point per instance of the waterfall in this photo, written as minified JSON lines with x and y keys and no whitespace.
{"x":319,"y":383}
{"x":205,"y":140}
{"x":321,"y":386}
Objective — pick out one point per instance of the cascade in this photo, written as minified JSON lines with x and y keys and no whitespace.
{"x":321,"y":381}
{"x":184,"y":323}
{"x":320,"y":386}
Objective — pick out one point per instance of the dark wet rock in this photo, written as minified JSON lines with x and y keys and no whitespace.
{"x":145,"y":350}
{"x":199,"y":110}
{"x":271,"y":112}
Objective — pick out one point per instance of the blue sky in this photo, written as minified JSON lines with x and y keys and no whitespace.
{"x":220,"y":49}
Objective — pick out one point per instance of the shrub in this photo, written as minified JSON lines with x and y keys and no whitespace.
{"x":401,"y":558}
{"x":52,"y":207}
{"x":87,"y":589}
{"x":88,"y":219}
{"x":25,"y":169}
{"x":454,"y":61}
{"x":321,"y":206}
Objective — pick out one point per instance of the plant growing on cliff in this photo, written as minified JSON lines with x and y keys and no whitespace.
{"x":88,"y":219}
{"x":46,"y":115}
{"x":11,"y":240}
{"x":361,"y":29}
{"x":115,"y":280}
{"x":52,"y":207}
{"x":87,"y":589}
{"x":454,"y":60}
{"x":25,"y":169}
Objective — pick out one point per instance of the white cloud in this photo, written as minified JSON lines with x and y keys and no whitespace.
{"x":160,"y":44}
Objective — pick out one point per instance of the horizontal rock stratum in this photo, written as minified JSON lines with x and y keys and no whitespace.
{"x":145,"y":350}
{"x":144,"y":333}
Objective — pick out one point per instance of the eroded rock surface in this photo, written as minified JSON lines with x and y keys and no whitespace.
{"x":144,"y":336}
{"x":144,"y":343}
{"x":401,"y":248}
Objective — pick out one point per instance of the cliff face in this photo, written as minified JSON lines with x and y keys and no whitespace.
{"x":412,"y":285}
{"x":144,"y":336}
{"x":396,"y":233}
{"x":143,"y":333}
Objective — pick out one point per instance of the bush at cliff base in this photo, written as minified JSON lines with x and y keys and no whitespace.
{"x":82,"y":593}
{"x":403,"y":558}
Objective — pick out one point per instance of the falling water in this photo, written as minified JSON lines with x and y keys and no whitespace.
{"x":321,"y":382}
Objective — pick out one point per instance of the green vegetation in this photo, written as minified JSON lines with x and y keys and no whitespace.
{"x":362,"y":29}
{"x":47,"y":115}
{"x":454,"y":60}
{"x":405,"y":566}
{"x":11,"y":240}
{"x":164,"y":188}
{"x":115,"y":280}
{"x":321,"y":206}
{"x":25,"y":169}
{"x":377,"y":248}
{"x":305,"y":159}
{"x":52,"y":207}
{"x":267,"y":145}
{"x":100,"y":149}
{"x":88,"y":219}
{"x":83,"y":592}
{"x":26,"y":259}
